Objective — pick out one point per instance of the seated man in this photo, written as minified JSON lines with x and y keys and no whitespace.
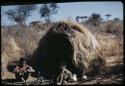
{"x":23,"y":71}
{"x":64,"y":76}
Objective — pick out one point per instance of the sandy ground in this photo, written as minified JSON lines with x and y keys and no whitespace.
{"x":113,"y":74}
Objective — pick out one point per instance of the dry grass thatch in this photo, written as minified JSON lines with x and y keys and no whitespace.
{"x":71,"y":43}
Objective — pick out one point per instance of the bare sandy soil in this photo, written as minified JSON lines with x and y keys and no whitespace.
{"x":113,"y":74}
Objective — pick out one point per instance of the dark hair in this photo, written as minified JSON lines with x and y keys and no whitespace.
{"x":22,"y":59}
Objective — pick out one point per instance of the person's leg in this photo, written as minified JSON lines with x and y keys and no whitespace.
{"x":26,"y":76}
{"x":22,"y":79}
{"x":18,"y":77}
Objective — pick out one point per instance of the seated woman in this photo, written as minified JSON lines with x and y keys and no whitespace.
{"x":23,"y":70}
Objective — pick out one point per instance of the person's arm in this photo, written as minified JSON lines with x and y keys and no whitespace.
{"x":68,"y":73}
{"x":30,"y":69}
{"x":23,"y":79}
{"x":16,"y":70}
{"x":60,"y":78}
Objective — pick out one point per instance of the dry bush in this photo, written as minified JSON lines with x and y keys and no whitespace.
{"x":18,"y":42}
{"x":110,"y":37}
{"x":93,"y":29}
{"x":113,"y":27}
{"x":110,"y":46}
{"x":108,"y":27}
{"x":25,"y":38}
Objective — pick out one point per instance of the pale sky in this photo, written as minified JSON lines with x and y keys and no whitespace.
{"x":73,"y":9}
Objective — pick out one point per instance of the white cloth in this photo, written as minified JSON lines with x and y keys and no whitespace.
{"x":74,"y":77}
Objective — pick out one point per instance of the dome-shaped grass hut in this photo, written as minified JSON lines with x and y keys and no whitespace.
{"x":71,"y":43}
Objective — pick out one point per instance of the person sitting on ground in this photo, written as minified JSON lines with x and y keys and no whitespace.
{"x":64,"y":76}
{"x":23,"y":70}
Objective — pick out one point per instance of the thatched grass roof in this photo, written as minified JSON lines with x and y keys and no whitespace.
{"x":71,"y":43}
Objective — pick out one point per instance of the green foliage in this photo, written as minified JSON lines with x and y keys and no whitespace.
{"x":108,"y":15}
{"x":47,"y":10}
{"x":116,"y":19}
{"x":20,"y":13}
{"x":95,"y":19}
{"x":83,"y":18}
